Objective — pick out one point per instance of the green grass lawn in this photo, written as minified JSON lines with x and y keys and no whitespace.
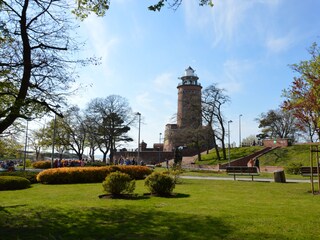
{"x":201,"y":209}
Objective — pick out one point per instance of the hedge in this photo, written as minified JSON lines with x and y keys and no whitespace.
{"x":31,"y":176}
{"x":89,"y":174}
{"x":42,"y":164}
{"x":13,"y":183}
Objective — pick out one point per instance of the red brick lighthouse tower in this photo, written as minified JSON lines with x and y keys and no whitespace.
{"x":189,"y":101}
{"x":189,"y":108}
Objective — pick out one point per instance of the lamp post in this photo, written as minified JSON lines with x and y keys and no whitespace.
{"x":139,"y":117}
{"x":230,"y":121}
{"x":240,"y":130}
{"x":160,"y":137}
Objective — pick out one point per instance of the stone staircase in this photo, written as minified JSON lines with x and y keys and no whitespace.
{"x":243,"y":161}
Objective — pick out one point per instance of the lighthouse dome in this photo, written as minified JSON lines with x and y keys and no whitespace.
{"x":189,"y":72}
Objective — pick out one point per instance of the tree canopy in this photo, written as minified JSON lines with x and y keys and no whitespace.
{"x":36,"y":55}
{"x":303,"y":96}
{"x":37,"y":60}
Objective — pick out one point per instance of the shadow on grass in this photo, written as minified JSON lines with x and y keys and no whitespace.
{"x":141,"y":197}
{"x":4,"y":208}
{"x":123,"y":223}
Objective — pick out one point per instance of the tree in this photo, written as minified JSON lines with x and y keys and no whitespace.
{"x":36,"y":54}
{"x":99,"y":7}
{"x":278,"y":123}
{"x":74,"y":131}
{"x":91,"y":136}
{"x":213,"y":98}
{"x":10,"y":148}
{"x":37,"y":141}
{"x":110,"y":119}
{"x":303,"y":96}
{"x":36,"y":58}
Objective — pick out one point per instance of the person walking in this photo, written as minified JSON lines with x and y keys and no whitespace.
{"x":257,"y":163}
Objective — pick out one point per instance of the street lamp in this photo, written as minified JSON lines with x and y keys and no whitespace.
{"x":240,"y":130}
{"x":230,"y":121}
{"x":139,"y":116}
{"x":160,"y":137}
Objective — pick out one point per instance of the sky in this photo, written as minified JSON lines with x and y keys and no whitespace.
{"x":243,"y":46}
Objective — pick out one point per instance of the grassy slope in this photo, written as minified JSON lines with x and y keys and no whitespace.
{"x":235,"y":153}
{"x":277,"y":157}
{"x":201,"y":210}
{"x":285,"y":156}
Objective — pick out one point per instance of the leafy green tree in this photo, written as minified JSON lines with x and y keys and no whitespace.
{"x":10,"y":148}
{"x":37,"y":53}
{"x":99,"y":7}
{"x":303,"y":96}
{"x":278,"y":123}
{"x":37,"y":60}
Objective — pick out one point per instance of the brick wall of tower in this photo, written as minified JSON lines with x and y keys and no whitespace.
{"x":189,"y":106}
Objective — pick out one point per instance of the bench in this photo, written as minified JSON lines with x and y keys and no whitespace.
{"x":306,"y":171}
{"x":242,"y":171}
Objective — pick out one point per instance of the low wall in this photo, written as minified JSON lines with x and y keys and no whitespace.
{"x":279,"y":142}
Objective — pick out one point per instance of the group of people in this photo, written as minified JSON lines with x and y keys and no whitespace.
{"x":8,"y":165}
{"x":254,"y":162}
{"x":68,"y":163}
{"x":127,"y":161}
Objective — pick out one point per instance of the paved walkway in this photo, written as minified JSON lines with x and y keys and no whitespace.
{"x":245,"y":179}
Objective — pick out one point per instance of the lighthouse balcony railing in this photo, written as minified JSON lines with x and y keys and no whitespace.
{"x":189,"y":84}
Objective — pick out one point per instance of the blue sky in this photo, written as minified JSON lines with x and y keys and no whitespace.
{"x":245,"y":46}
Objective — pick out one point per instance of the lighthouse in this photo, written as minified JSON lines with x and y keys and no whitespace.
{"x":189,"y":100}
{"x":189,"y":109}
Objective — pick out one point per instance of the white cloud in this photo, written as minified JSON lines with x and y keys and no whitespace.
{"x":225,"y":20}
{"x":279,"y":44}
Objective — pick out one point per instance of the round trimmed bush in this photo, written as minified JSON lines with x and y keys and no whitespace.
{"x":31,"y":176}
{"x":160,"y":184}
{"x":118,"y":183}
{"x":13,"y":183}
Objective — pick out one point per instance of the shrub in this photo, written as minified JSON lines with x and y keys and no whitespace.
{"x":136,"y":172}
{"x":118,"y":183}
{"x":160,"y":184}
{"x":175,"y":174}
{"x":293,"y":168}
{"x":95,"y":164}
{"x":88,"y":174}
{"x":31,"y":176}
{"x":13,"y":183}
{"x":42,"y":164}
